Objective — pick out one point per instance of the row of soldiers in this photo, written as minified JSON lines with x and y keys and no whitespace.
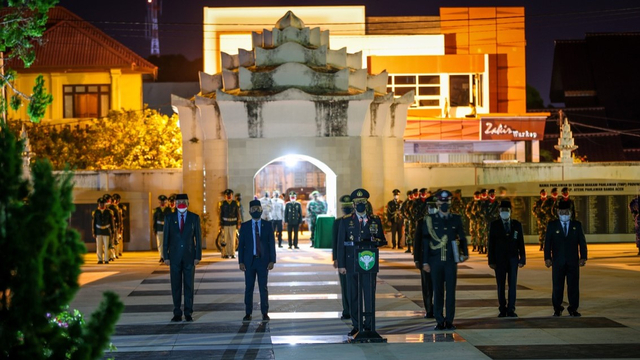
{"x":107,"y":228}
{"x":167,"y":206}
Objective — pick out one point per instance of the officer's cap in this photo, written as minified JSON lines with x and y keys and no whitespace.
{"x":276,"y":193}
{"x":182,"y":197}
{"x":431,"y":200}
{"x":228,"y":192}
{"x":116,"y":196}
{"x":106,"y":197}
{"x":492,"y":191}
{"x":292,"y":193}
{"x":483,"y":191}
{"x":253,"y":203}
{"x":238,"y":195}
{"x":443,"y":196}
{"x":346,"y":200}
{"x":565,"y":190}
{"x":409,"y":192}
{"x":172,"y":197}
{"x":396,"y":191}
{"x":543,"y":191}
{"x":359,"y":194}
{"x":505,"y":204}
{"x":423,"y":190}
{"x":476,"y":193}
{"x":315,"y":192}
{"x":162,"y":198}
{"x":564,"y":205}
{"x":101,"y":201}
{"x":554,"y":190}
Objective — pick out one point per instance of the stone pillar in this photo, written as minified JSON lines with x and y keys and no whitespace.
{"x":373,"y":170}
{"x":393,"y":166}
{"x":115,"y":89}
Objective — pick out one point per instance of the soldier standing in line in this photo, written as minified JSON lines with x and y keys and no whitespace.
{"x":468,"y":211}
{"x":120,"y":235}
{"x":634,"y":207}
{"x":490,"y":213}
{"x":564,"y":197}
{"x":394,"y":218}
{"x":315,"y":207}
{"x":412,"y":221}
{"x":172,"y":203}
{"x":101,"y":227}
{"x":419,"y":210}
{"x":347,"y":209}
{"x":540,"y":217}
{"x":447,"y":246}
{"x":548,"y":206}
{"x":159,"y":214}
{"x":419,"y":251}
{"x":230,"y":220}
{"x":479,"y":211}
{"x":114,"y":233}
{"x":293,"y":218}
{"x":277,"y":215}
{"x":458,"y":207}
{"x":405,"y":211}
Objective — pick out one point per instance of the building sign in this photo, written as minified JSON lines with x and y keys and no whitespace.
{"x":513,"y":129}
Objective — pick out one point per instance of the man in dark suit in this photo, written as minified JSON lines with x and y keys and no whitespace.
{"x":565,"y":249}
{"x":506,"y":255}
{"x":420,"y":243}
{"x":445,"y":248}
{"x":347,"y":209}
{"x":182,"y":247}
{"x":256,"y":256}
{"x":293,"y":218}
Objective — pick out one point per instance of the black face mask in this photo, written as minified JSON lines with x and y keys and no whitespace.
{"x":444,"y":207}
{"x":347,"y":210}
{"x":361,"y":208}
{"x":256,"y":214}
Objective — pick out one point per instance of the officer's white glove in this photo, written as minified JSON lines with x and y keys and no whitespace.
{"x":342,"y":271}
{"x":196,"y":262}
{"x":167,"y":262}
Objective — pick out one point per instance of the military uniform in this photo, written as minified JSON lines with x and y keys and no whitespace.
{"x":443,"y":230}
{"x":354,"y":228}
{"x":120,"y":236}
{"x":565,"y":198}
{"x":315,"y":207}
{"x":277,"y":216}
{"x":394,"y":217}
{"x":293,"y":218}
{"x":159,"y":214}
{"x":347,"y":209}
{"x":548,"y":206}
{"x":480,"y":211}
{"x":113,"y":240}
{"x":102,"y":225}
{"x":230,"y":219}
{"x":541,"y":218}
{"x":405,"y":210}
{"x":265,"y":202}
{"x":634,"y":207}
{"x":419,"y":249}
{"x":473,"y":226}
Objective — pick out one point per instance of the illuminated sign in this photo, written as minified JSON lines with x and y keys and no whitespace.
{"x":512,"y":128}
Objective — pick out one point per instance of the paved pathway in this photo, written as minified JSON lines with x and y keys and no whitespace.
{"x":305,"y":310}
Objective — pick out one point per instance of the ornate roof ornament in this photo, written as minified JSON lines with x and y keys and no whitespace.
{"x":289,"y":20}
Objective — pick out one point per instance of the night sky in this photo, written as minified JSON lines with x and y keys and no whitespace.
{"x":546,"y":21}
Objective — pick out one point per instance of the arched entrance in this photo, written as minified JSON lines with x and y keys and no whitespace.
{"x":299,"y":172}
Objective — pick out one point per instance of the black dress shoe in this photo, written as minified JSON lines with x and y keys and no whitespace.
{"x":246,"y":318}
{"x":439,"y":327}
{"x":353,"y":332}
{"x":161,"y":261}
{"x":176,"y":318}
{"x":502,"y":314}
{"x":297,"y":247}
{"x":512,"y":314}
{"x":449,"y":326}
{"x":100,"y":262}
{"x":408,"y":251}
{"x":345,"y":317}
{"x":557,"y":313}
{"x":188,"y":318}
{"x":575,"y":313}
{"x":429,"y":315}
{"x":400,"y":248}
{"x":265,"y":318}
{"x":289,"y":247}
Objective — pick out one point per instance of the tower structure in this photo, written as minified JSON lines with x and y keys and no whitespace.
{"x":154,"y":9}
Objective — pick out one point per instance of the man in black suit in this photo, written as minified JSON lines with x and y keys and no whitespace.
{"x":182,"y":247}
{"x":506,"y":255}
{"x":256,"y":256}
{"x":420,"y":243}
{"x":565,"y":248}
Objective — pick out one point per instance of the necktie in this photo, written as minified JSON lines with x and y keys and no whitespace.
{"x":181,"y":223}
{"x":257,"y":238}
{"x":566,"y":228}
{"x":506,"y":226}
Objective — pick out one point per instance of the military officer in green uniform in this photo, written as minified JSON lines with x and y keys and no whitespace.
{"x":293,"y":218}
{"x":548,"y":207}
{"x":354,"y":228}
{"x":315,"y":207}
{"x":541,"y":217}
{"x":347,"y":209}
{"x":405,"y":210}
{"x":394,"y":218}
{"x":480,"y":210}
{"x":447,"y":246}
{"x":159,"y":214}
{"x":473,"y":223}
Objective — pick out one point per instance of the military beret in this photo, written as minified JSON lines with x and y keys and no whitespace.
{"x":415,"y":191}
{"x":492,"y":191}
{"x":359,"y":194}
{"x":101,"y":201}
{"x":483,"y":191}
{"x":315,"y":192}
{"x":505,"y":204}
{"x":162,"y":198}
{"x":443,"y":196}
{"x":554,"y":190}
{"x":253,"y":203}
{"x":396,"y":191}
{"x":116,"y":196}
{"x":172,"y":197}
{"x":543,"y":191}
{"x":564,"y":190}
{"x":409,"y":192}
{"x":476,"y":193}
{"x":564,"y":205}
{"x":106,"y":197}
{"x":423,"y":190}
{"x":228,"y":192}
{"x":182,"y":197}
{"x":345,"y":199}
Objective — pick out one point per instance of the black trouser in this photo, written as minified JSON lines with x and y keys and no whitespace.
{"x":427,"y":290}
{"x":277,"y":227}
{"x":293,"y":229}
{"x":396,"y":229}
{"x":344,"y":290}
{"x":507,"y":272}
{"x":572,"y":274}
{"x":352,"y":282}
{"x":182,"y":275}
{"x":443,"y":272}
{"x":259,"y":270}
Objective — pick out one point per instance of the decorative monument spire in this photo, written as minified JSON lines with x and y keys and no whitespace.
{"x":289,"y":20}
{"x":565,"y":143}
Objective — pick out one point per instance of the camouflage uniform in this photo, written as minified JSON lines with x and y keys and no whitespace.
{"x":458,"y":207}
{"x":315,"y":207}
{"x":405,"y":210}
{"x":548,"y":209}
{"x":473,"y":222}
{"x":541,"y":219}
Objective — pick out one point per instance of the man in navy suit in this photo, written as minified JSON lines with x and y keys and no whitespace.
{"x":506,"y":255}
{"x":565,"y":248}
{"x":256,"y":256}
{"x":182,"y":248}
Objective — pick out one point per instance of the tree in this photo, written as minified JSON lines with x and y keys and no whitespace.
{"x":22,"y":23}
{"x":39,"y":275}
{"x":534,"y":101}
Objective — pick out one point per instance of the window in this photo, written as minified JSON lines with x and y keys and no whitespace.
{"x":460,"y":90}
{"x":86,"y":101}
{"x":426,"y":88}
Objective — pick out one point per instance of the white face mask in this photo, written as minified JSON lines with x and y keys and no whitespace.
{"x":182,"y":210}
{"x":564,"y":218}
{"x":505,"y":215}
{"x":433,"y":210}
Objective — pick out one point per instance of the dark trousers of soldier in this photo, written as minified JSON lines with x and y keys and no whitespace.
{"x":427,"y":292}
{"x":292,"y":233}
{"x":542,"y":231}
{"x":559,"y":274}
{"x":182,"y":275}
{"x":508,"y":273}
{"x":352,"y":282}
{"x":444,"y":276}
{"x":346,"y":310}
{"x":396,"y":230}
{"x":277,"y":227}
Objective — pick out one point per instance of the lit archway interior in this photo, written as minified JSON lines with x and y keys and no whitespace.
{"x":280,"y":174}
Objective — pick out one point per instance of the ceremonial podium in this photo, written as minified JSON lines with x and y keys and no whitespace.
{"x":366,"y":266}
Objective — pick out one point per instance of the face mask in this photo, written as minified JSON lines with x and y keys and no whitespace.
{"x":347,"y":210}
{"x":433,"y":210}
{"x":182,"y":208}
{"x":256,"y":214}
{"x":564,"y":218}
{"x":505,"y":215}
{"x":395,"y":197}
{"x":361,"y":208}
{"x":444,"y":207}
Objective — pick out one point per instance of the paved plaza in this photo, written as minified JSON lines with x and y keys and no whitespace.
{"x":305,"y":310}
